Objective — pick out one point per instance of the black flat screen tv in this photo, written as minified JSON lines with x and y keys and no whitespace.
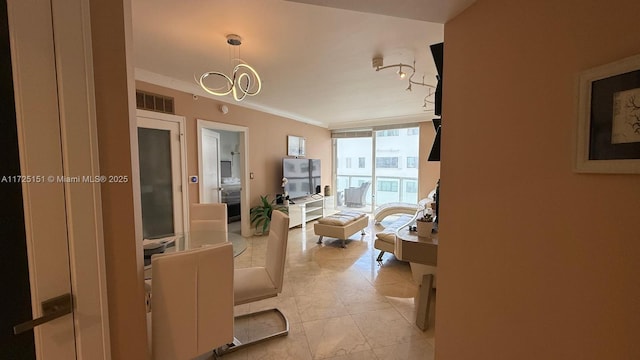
{"x":303,"y":176}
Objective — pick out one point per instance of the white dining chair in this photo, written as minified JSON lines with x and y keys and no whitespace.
{"x":258,"y":283}
{"x":191,"y":302}
{"x":207,"y":217}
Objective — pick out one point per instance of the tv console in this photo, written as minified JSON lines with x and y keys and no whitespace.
{"x":305,"y":209}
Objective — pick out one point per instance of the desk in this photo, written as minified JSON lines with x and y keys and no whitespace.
{"x":422,"y":251}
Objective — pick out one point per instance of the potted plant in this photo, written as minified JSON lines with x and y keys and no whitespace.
{"x":424,"y":224}
{"x":261,"y":214}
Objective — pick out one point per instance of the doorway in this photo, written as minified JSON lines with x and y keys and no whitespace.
{"x":162,"y":173}
{"x":231,"y":169}
{"x":210,"y":174}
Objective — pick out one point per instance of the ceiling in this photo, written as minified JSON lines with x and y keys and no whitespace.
{"x":313,"y":56}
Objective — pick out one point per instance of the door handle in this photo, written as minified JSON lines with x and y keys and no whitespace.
{"x":51,"y":310}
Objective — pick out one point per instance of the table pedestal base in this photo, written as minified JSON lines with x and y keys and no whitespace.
{"x":424,"y":302}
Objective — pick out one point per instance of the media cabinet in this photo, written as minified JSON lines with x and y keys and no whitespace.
{"x":307,"y":209}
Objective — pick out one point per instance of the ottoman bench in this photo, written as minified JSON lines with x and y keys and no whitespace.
{"x":341,"y":225}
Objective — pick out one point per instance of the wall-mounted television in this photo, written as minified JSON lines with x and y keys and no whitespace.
{"x":303,"y":176}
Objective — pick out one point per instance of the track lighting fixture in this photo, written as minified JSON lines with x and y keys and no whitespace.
{"x":378,"y":64}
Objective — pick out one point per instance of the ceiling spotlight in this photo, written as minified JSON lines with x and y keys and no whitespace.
{"x":243,"y":81}
{"x":401,"y":73}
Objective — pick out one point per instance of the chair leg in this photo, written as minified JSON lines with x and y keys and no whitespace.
{"x":237,"y":345}
{"x":319,"y":240}
{"x":379,"y":259}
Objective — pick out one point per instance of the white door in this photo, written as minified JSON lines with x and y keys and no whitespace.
{"x":210,"y":144}
{"x":35,"y":219}
{"x":161,"y":179}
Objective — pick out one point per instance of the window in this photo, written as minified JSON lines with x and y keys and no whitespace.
{"x":394,"y":132}
{"x":361,"y":162}
{"x":387,"y":162}
{"x":412,"y":162}
{"x":411,"y":187}
{"x":348,"y":163}
{"x":413,"y":131}
{"x":389,"y":186}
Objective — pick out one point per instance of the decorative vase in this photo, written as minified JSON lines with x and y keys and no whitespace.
{"x":424,"y":228}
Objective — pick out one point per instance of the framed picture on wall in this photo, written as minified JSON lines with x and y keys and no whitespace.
{"x":295,"y":145}
{"x":608,"y":131}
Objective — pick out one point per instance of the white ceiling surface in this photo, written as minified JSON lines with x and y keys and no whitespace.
{"x":314,"y":61}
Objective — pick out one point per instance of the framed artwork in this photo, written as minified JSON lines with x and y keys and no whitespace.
{"x":608,"y":131}
{"x":295,"y":145}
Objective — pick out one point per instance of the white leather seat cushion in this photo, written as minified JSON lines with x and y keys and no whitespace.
{"x":389,"y":232}
{"x":252,"y":283}
{"x":341,"y":218}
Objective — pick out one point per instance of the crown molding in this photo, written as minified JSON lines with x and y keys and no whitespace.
{"x":195,"y":89}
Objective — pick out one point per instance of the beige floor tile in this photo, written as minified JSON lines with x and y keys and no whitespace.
{"x":312,"y":285}
{"x":389,"y":274}
{"x":285,"y":304}
{"x":334,"y":337}
{"x":401,"y":289}
{"x":360,"y":355}
{"x":386,"y":327}
{"x":292,"y":347}
{"x":405,"y":306}
{"x":359,"y":301}
{"x":319,"y":306}
{"x":341,"y":303}
{"x":414,"y":350}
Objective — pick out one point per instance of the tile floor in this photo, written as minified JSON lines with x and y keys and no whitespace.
{"x":341,"y":304}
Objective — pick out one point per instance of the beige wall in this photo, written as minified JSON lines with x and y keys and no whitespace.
{"x":113,"y":71}
{"x":429,"y":171}
{"x":267,"y":139}
{"x":535,"y":261}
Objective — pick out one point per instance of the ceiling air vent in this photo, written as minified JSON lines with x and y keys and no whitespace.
{"x":154,"y":102}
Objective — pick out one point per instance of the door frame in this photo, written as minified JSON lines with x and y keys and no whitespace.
{"x":79,"y":139}
{"x":180,"y":120}
{"x":245,"y":225}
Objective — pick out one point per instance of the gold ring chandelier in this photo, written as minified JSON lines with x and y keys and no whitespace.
{"x":243,"y":82}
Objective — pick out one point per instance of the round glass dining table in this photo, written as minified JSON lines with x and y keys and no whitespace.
{"x":191,"y":240}
{"x":195,"y":239}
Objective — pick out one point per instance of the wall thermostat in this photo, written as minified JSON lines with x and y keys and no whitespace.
{"x":193,"y":179}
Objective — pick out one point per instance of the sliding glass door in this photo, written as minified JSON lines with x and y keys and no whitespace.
{"x":373,"y":168}
{"x":353,"y":169}
{"x":396,"y":166}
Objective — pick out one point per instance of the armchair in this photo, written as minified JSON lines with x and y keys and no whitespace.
{"x":356,"y":196}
